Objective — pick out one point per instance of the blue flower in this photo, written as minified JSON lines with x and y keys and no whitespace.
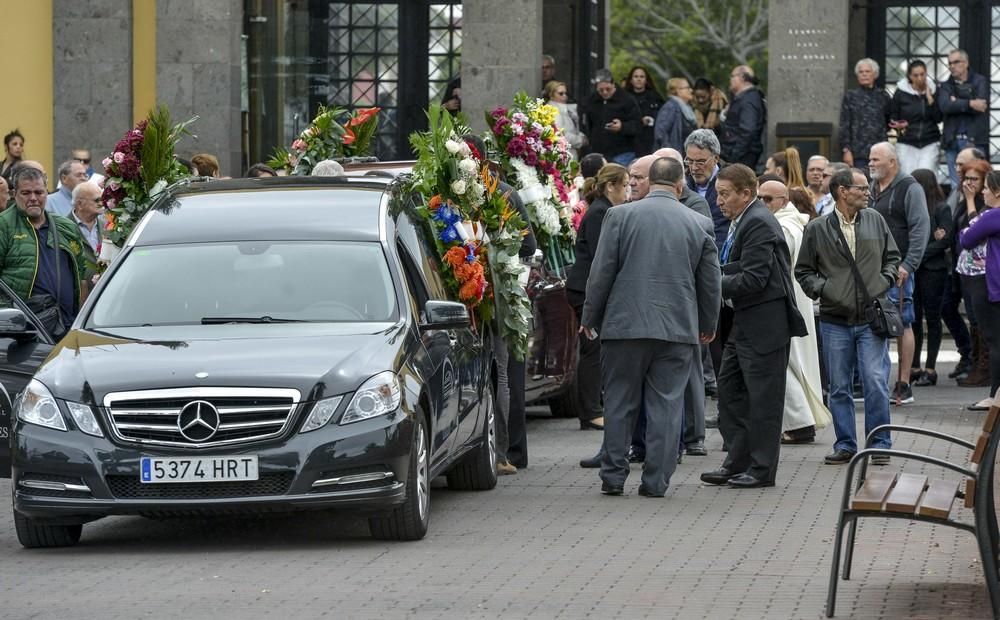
{"x":449,"y":234}
{"x":470,"y":257}
{"x":447,"y":215}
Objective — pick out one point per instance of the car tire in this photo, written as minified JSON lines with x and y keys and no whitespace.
{"x":32,"y":535}
{"x":409,"y":520}
{"x":478,"y":471}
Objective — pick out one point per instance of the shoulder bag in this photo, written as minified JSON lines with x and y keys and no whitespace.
{"x":883,"y":319}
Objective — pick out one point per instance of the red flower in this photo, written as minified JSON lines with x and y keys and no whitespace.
{"x":348,"y":136}
{"x":455,"y":257}
{"x":362,"y":117}
{"x":435,"y":202}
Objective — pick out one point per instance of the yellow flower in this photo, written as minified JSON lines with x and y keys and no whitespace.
{"x":545,"y":114}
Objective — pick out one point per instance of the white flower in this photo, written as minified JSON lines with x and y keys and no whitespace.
{"x":119,"y":157}
{"x":467,"y":166}
{"x":458,"y":187}
{"x":478,"y":189}
{"x":465,"y":150}
{"x":453,"y":146}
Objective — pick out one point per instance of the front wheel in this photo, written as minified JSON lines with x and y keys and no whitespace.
{"x":33,"y":535}
{"x":409,"y":520}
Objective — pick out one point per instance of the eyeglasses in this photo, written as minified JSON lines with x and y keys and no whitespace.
{"x":695,"y":162}
{"x":82,"y":160}
{"x":771,"y":198}
{"x":864,"y":189}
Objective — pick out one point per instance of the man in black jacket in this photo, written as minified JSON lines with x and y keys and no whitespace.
{"x":964,"y":101}
{"x":611,"y":119}
{"x":756,"y":280}
{"x":745,"y":121}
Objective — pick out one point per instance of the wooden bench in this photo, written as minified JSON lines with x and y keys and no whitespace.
{"x":895,"y":494}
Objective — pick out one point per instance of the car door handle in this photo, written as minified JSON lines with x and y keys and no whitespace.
{"x":453,"y":339}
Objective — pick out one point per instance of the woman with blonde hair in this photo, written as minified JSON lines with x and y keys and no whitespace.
{"x":607,"y":189}
{"x":675,"y":120}
{"x":788,"y":165}
{"x":568,"y":118}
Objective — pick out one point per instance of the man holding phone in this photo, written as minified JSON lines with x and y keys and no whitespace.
{"x":611,"y":119}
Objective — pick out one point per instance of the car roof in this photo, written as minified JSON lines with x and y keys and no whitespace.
{"x":268,"y":209}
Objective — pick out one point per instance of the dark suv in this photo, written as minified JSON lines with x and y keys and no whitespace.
{"x":260,"y":345}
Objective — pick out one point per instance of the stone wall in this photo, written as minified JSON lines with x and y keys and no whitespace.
{"x":198,"y":72}
{"x":92,"y":76}
{"x":808,"y":63}
{"x":502,"y":54}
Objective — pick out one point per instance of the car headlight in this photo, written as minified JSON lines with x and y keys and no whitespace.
{"x":321,"y":413}
{"x":84,"y":417}
{"x":377,"y":396}
{"x":37,"y":406}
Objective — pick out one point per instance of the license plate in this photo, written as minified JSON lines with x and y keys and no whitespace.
{"x":156,"y":470}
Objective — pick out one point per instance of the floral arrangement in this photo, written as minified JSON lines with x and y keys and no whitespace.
{"x":326,"y":137}
{"x":477,"y":232}
{"x":535,"y":157}
{"x":139,"y":168}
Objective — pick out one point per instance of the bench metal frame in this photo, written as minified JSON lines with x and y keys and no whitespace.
{"x":984,"y":526}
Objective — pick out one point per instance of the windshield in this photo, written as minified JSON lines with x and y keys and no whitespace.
{"x":256,"y":282}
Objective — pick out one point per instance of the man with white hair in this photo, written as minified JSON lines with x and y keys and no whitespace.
{"x":327,"y":168}
{"x":71,"y":174}
{"x":815,"y":168}
{"x":900,"y":200}
{"x":87,"y":211}
{"x":689,"y":198}
{"x":864,"y":115}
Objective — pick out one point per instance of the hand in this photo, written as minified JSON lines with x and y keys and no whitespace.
{"x":706,"y":337}
{"x":903,"y":276}
{"x":848,"y":158}
{"x":979,"y":105}
{"x":614,"y":126}
{"x":589,"y":332}
{"x":939,"y":234}
{"x":453,"y":104}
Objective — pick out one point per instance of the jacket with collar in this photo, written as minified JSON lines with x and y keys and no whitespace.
{"x":19,"y":250}
{"x":719,"y":220}
{"x":864,"y":119}
{"x":958,"y":114}
{"x":922,"y":118}
{"x":743,"y":128}
{"x":586,"y":243}
{"x":824,"y":269}
{"x":596,"y":112}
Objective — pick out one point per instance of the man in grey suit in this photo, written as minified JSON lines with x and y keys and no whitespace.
{"x":654,"y":293}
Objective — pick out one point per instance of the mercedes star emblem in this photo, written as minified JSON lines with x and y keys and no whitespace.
{"x":198,"y":421}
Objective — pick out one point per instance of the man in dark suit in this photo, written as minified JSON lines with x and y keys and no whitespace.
{"x":654,"y":294}
{"x":756,"y":281}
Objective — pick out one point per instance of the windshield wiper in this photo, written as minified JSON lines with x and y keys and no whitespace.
{"x":221,"y":320}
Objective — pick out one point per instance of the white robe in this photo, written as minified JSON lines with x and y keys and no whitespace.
{"x":803,"y":386}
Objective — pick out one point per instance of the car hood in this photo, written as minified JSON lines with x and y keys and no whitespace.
{"x":318,"y":360}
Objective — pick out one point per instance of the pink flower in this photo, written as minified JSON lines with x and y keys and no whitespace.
{"x":106,"y":162}
{"x":517,"y":147}
{"x":299,"y":145}
{"x":119,"y":157}
{"x":114,"y":186}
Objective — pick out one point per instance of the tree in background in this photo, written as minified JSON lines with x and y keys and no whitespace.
{"x":689,"y":38}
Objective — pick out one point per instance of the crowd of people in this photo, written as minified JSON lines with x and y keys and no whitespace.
{"x":695,"y":277}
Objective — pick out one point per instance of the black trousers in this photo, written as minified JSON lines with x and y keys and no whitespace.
{"x":517,"y":427}
{"x":928,"y":295}
{"x":751,"y":403}
{"x":721,"y":336}
{"x":951,"y":298}
{"x":988,"y":321}
{"x":588,"y":370}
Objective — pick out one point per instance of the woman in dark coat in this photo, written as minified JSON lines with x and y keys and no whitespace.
{"x":931,"y":279}
{"x":915,"y":115}
{"x":640,"y":86}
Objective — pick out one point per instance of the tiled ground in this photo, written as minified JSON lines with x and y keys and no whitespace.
{"x":545,"y":544}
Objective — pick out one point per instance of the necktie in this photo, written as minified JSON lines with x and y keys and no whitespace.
{"x":728,"y":245}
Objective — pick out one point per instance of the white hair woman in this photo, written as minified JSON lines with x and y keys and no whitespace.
{"x":864,"y":115}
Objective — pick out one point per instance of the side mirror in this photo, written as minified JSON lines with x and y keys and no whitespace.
{"x":445,"y":315}
{"x":14,"y":323}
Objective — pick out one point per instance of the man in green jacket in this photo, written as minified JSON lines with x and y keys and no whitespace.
{"x":851,"y":233}
{"x":41,"y":254}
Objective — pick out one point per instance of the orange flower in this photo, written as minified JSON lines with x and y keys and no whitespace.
{"x":455,"y":257}
{"x":109,"y":217}
{"x":435,"y":202}
{"x":362,"y":116}
{"x":348,"y":136}
{"x":471,"y":290}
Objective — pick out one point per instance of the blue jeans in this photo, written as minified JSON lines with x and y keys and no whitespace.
{"x":846,"y":348}
{"x":907,"y":314}
{"x":623,"y":159}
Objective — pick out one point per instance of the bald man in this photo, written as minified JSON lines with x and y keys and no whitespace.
{"x":689,"y":198}
{"x":743,"y":128}
{"x":638,"y":177}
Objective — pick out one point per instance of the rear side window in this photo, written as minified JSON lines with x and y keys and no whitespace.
{"x":422,"y":251}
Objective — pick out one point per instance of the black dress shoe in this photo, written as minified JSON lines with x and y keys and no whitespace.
{"x":646,"y":493}
{"x":634,"y":456}
{"x":593,"y":462}
{"x":718,"y":476}
{"x":589,"y":425}
{"x":610,"y":489}
{"x":680,"y":459}
{"x":696,"y":449}
{"x":746,"y":481}
{"x":838,"y":457}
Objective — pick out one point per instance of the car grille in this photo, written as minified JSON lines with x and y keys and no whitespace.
{"x":239,"y":415}
{"x":129,"y":487}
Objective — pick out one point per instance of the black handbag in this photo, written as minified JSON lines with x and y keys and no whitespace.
{"x":46,"y":309}
{"x":883,"y":319}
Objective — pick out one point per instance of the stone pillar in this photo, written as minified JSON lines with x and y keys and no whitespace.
{"x":501,"y":54}
{"x":198,"y":72}
{"x":807,"y":70}
{"x":92,"y":75}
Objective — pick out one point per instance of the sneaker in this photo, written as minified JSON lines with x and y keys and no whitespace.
{"x":880,"y":459}
{"x":902,"y":394}
{"x":927,"y":377}
{"x":505,"y":469}
{"x":838,"y":457}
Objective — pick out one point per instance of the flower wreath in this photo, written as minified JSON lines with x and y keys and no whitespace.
{"x":327,"y":138}
{"x":477,"y":232}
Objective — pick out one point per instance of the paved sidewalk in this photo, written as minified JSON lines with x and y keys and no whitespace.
{"x":545,"y":544}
